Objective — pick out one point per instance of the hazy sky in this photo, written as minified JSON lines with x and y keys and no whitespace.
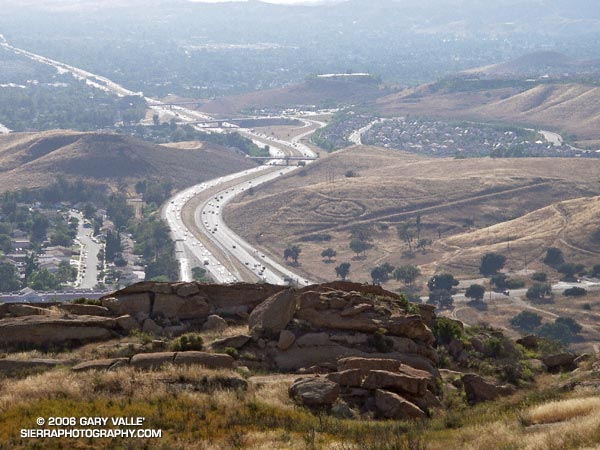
{"x":281,"y":2}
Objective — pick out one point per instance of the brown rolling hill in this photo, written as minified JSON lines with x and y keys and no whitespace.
{"x":571,"y":225}
{"x":30,"y":160}
{"x":537,"y":64}
{"x":321,"y":92}
{"x":451,"y":196}
{"x":570,"y":108}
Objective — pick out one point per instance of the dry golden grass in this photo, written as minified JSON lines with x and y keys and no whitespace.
{"x":562,"y":410}
{"x":570,"y":108}
{"x":29,"y":160}
{"x":394,"y":186}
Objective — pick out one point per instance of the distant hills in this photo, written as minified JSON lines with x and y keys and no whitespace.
{"x":543,"y":63}
{"x":320,"y":91}
{"x":29,"y":160}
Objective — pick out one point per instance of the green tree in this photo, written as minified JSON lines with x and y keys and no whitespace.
{"x":42,"y":280}
{"x":540,"y":276}
{"x":408,"y":274}
{"x":556,"y":331}
{"x":39,"y":228}
{"x":358,"y":246}
{"x":441,"y":298}
{"x":65,"y":272}
{"x":444,"y":281}
{"x":200,"y":274}
{"x":9,"y":278}
{"x":575,"y":291}
{"x":491,"y":263}
{"x":119,"y":211}
{"x":554,"y":257}
{"x":475,"y":292}
{"x":499,"y":281}
{"x":5,"y":243}
{"x":570,"y":323}
{"x":526,"y":321}
{"x":343,"y":270}
{"x":569,"y":270}
{"x":406,"y":234}
{"x":328,"y":253}
{"x":381,"y":274}
{"x":293,"y":252}
{"x":538,"y":291}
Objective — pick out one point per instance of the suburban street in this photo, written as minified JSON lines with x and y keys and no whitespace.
{"x":87,"y":271}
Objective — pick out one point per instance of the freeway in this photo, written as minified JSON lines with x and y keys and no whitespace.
{"x":231,"y":258}
{"x":192,"y":242}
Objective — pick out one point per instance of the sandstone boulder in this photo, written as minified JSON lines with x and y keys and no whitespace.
{"x":286,"y":340}
{"x":210,"y":360}
{"x":346,"y":378}
{"x":151,"y":360}
{"x":314,"y":392}
{"x":479,"y":390}
{"x":174,"y":306}
{"x":127,"y":323}
{"x":560,"y":361}
{"x":393,"y":406}
{"x":530,"y":341}
{"x":100,"y":364}
{"x":214,"y":323}
{"x":150,"y":326}
{"x":50,"y":330}
{"x":274,"y":313}
{"x":237,"y":341}
{"x":187,"y":289}
{"x":131,"y":304}
{"x":397,"y":382}
{"x":85,"y":310}
{"x":19,"y":310}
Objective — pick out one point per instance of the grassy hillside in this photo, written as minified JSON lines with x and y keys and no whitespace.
{"x":569,"y":108}
{"x":391,"y":187}
{"x":29,"y":160}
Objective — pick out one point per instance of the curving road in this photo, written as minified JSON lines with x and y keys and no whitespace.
{"x":208,"y":242}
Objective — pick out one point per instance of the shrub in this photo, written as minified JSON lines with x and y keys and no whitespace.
{"x":87,"y":301}
{"x":445,"y":330}
{"x":233,"y":352}
{"x":554,"y":257}
{"x":515,"y":283}
{"x":538,"y":291}
{"x":380,"y":342}
{"x":575,"y":291}
{"x":526,"y":321}
{"x":540,"y":276}
{"x":188,"y":341}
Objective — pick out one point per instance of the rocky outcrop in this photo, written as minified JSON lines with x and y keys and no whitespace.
{"x":214,"y":323}
{"x":393,"y":406}
{"x":189,"y":301}
{"x":560,"y":361}
{"x":314,"y":392}
{"x":84,"y":310}
{"x":479,"y":390}
{"x":273,"y":315}
{"x":100,"y":364}
{"x":51,"y":330}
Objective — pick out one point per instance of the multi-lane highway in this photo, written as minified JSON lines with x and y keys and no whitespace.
{"x":208,"y":242}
